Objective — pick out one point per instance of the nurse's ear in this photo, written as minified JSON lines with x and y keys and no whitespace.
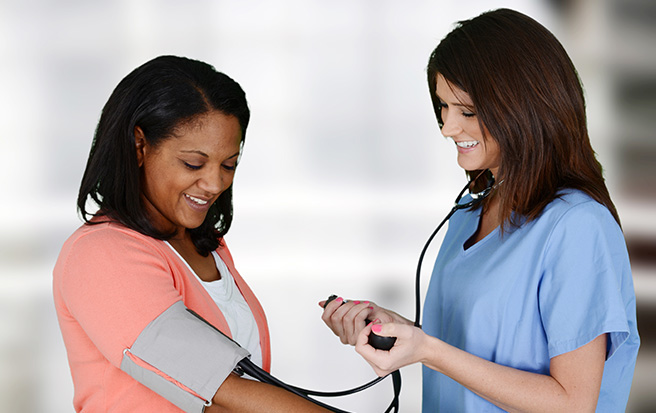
{"x":140,"y":145}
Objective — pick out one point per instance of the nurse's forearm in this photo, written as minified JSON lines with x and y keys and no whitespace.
{"x":572,"y":386}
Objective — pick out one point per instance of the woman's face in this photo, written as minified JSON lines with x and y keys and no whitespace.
{"x":475,"y":152}
{"x":183,"y":176}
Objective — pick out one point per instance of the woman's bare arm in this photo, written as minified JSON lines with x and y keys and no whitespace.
{"x":248,"y":396}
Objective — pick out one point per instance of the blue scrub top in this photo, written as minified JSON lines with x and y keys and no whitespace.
{"x":537,"y":291}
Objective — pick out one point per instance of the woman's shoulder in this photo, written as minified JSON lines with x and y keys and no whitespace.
{"x":109,"y":246}
{"x":106,"y":231}
{"x":103,"y":238}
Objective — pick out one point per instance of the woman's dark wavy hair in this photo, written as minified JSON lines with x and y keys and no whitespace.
{"x":527,"y":92}
{"x":157,"y":96}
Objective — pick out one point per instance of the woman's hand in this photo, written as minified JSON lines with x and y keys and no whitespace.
{"x":347,"y":318}
{"x":407,"y":349}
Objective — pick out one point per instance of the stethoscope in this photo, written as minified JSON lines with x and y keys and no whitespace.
{"x":475,"y":201}
{"x":248,"y":367}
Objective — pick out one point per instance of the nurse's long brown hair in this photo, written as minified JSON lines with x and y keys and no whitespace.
{"x":527,"y":93}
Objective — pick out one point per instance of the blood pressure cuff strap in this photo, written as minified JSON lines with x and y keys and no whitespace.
{"x":182,"y":358}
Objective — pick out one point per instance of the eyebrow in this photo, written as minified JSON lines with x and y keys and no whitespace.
{"x":452,"y":104}
{"x":203,"y":154}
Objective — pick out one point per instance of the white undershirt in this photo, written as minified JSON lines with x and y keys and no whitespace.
{"x":232,"y":304}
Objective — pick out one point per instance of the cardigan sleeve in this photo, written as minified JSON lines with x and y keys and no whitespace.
{"x":122,"y":292}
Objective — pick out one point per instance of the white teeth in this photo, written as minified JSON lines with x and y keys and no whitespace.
{"x":196,"y":200}
{"x":469,"y":144}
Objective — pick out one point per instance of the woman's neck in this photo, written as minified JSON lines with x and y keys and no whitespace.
{"x":204,"y":267}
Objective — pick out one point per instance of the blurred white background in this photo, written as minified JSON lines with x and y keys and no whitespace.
{"x":344,"y":173}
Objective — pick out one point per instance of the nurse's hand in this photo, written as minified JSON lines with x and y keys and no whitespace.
{"x":347,"y":318}
{"x":408,"y":348}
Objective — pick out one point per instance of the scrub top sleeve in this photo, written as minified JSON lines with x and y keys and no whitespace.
{"x":579,"y":294}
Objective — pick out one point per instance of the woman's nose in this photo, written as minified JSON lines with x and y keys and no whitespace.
{"x":212,"y":181}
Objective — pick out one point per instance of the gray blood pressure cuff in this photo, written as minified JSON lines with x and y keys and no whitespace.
{"x":182,"y":358}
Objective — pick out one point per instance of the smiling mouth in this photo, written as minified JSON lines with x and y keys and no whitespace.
{"x":467,"y":144}
{"x":195,"y":200}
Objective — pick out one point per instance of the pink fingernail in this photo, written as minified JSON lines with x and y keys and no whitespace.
{"x":356,"y":302}
{"x":370,"y":307}
{"x":339,"y":300}
{"x":376,"y":328}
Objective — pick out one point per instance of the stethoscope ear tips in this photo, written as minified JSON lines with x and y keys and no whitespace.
{"x":476,"y":197}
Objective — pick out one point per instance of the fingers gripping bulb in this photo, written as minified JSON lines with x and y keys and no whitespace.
{"x":375,"y":341}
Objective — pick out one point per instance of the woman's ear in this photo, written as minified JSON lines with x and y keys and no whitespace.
{"x":139,"y":144}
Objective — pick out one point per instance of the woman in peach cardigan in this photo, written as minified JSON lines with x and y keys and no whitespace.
{"x":139,"y":286}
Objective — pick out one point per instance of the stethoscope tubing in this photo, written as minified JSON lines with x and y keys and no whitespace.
{"x":259,"y":374}
{"x":476,"y":199}
{"x":421,"y":261}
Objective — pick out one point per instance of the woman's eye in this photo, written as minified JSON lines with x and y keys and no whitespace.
{"x":229,"y":167}
{"x":468,"y":114}
{"x":192,"y":166}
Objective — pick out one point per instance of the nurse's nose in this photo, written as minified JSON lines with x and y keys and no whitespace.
{"x":451,"y":126}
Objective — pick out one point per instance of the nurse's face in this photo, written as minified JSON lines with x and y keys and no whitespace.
{"x":183,"y":175}
{"x":475,"y":152}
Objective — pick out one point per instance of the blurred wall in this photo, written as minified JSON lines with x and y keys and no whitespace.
{"x":344,"y":172}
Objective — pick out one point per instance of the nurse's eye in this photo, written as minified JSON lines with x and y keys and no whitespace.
{"x":468,"y":114}
{"x":229,"y":167}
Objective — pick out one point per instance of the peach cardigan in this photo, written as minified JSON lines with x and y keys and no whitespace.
{"x":109,"y":283}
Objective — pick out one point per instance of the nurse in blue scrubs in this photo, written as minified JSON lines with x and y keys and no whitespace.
{"x":531,"y":305}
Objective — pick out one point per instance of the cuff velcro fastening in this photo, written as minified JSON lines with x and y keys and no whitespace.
{"x":182,"y":358}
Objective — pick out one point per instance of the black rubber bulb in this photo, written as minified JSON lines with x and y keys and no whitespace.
{"x":375,"y":341}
